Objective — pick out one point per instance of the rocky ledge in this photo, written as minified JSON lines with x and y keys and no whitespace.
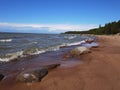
{"x":35,"y":75}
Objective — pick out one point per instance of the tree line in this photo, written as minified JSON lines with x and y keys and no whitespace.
{"x":107,"y":29}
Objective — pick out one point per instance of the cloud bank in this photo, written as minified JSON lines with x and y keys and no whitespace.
{"x":48,"y":28}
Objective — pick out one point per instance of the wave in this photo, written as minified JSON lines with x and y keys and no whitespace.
{"x":5,"y":40}
{"x":89,"y":45}
{"x":70,"y":37}
{"x":25,"y":53}
{"x":11,"y":56}
{"x":35,"y":51}
{"x":71,"y":44}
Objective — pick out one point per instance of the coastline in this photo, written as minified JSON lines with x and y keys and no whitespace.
{"x":99,"y":71}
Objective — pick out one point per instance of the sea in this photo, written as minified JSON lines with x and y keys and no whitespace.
{"x":26,"y":51}
{"x":19,"y":45}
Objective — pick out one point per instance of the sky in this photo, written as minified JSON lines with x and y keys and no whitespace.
{"x":56,"y":16}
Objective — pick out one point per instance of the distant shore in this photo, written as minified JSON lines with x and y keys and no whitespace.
{"x":100,"y":70}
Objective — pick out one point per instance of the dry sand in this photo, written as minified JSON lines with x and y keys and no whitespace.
{"x":100,"y":70}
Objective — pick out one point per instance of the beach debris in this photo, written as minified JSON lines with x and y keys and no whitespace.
{"x":1,"y":76}
{"x":79,"y":50}
{"x":34,"y":75}
{"x":51,"y":66}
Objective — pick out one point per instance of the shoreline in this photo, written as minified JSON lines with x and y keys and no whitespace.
{"x":99,"y":71}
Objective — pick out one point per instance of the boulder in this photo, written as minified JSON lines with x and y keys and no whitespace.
{"x":1,"y":76}
{"x":51,"y":66}
{"x":79,"y":50}
{"x":34,"y":75}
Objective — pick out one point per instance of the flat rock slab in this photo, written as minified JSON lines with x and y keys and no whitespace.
{"x":34,"y":75}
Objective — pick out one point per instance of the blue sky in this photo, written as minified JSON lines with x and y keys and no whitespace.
{"x":55,"y":16}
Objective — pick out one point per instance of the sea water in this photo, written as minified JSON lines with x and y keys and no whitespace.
{"x":16,"y":45}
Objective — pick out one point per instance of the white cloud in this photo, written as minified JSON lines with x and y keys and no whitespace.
{"x":56,"y":28}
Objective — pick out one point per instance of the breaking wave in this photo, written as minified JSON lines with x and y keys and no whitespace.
{"x":5,"y":40}
{"x":35,"y":51}
{"x":70,"y":37}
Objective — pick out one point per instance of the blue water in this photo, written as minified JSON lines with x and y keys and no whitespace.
{"x":13,"y":45}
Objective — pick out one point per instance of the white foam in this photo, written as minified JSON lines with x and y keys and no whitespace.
{"x":11,"y":56}
{"x":38,"y":52}
{"x":89,"y":45}
{"x":75,"y":43}
{"x":4,"y":59}
{"x":5,"y":40}
{"x":72,"y":44}
{"x":34,"y":42}
{"x":41,"y":51}
{"x":54,"y":48}
{"x":70,"y":37}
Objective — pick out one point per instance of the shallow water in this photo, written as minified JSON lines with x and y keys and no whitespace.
{"x":15,"y":67}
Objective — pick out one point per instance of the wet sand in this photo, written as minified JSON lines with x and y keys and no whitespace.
{"x":99,"y":70}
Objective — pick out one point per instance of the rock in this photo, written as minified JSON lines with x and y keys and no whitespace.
{"x":1,"y":77}
{"x":52,"y":66}
{"x":79,"y":50}
{"x":118,"y":34}
{"x":34,"y":75}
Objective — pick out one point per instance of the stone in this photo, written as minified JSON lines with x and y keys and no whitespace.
{"x":79,"y":50}
{"x":34,"y":75}
{"x":1,"y":76}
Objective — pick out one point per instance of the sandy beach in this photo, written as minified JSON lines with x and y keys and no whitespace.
{"x":100,"y":70}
